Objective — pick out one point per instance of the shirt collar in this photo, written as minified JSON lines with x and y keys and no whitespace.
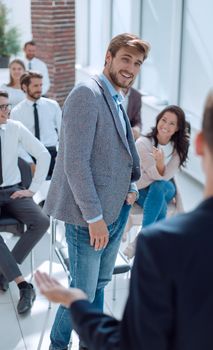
{"x":33,"y":59}
{"x":117,"y":96}
{"x":31,"y":103}
{"x":3,"y":126}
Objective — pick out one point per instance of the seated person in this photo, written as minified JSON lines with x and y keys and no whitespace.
{"x":13,"y":88}
{"x":18,"y":202}
{"x":170,"y":303}
{"x":40,"y":115}
{"x":162,"y":152}
{"x":132,"y":105}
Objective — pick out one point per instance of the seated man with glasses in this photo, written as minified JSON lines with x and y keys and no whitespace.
{"x":18,"y":202}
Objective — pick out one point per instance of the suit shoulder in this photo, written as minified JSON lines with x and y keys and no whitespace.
{"x":84,"y":91}
{"x":184,"y":225}
{"x":135,"y":92}
{"x":89,"y":84}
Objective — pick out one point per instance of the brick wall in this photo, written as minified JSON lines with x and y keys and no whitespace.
{"x":53,"y":28}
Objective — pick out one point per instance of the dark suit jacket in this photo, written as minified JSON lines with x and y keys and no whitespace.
{"x":134,"y":107}
{"x":170,"y":304}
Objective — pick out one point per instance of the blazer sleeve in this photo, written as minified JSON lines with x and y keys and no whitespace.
{"x":147,"y":322}
{"x":80,"y":119}
{"x":97,"y":330}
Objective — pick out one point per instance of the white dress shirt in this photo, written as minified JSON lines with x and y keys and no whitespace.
{"x":15,"y":95}
{"x":12,"y":135}
{"x":49,"y":113}
{"x":39,"y":66}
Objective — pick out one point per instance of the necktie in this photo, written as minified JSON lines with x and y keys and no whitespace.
{"x":1,"y":175}
{"x":120,"y":112}
{"x":29,"y":65}
{"x":36,"y":122}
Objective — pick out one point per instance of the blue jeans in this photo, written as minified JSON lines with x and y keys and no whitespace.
{"x":154,"y":200}
{"x":90,"y":271}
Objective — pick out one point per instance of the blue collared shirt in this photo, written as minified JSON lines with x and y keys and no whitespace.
{"x":118,"y":98}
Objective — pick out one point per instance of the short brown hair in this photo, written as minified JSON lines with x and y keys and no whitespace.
{"x":207,"y":124}
{"x":4,"y":93}
{"x":27,"y":76}
{"x":31,"y":42}
{"x":128,"y":40}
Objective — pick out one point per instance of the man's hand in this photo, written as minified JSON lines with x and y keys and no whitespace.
{"x":55,"y":292}
{"x":99,"y":234}
{"x":22,"y":194}
{"x":131,"y":198}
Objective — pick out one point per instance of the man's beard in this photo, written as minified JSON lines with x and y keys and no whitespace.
{"x":34,"y":96}
{"x":115,"y":80}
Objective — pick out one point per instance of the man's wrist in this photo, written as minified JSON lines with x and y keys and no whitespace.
{"x":96,"y":219}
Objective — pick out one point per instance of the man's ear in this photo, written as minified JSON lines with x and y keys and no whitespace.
{"x":199,"y":143}
{"x":108,"y":57}
{"x":24,"y":87}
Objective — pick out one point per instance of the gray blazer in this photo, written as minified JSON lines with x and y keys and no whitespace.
{"x":95,"y":162}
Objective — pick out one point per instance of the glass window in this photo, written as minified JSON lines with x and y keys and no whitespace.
{"x":156,"y":29}
{"x":197,"y":55}
{"x":99,"y":32}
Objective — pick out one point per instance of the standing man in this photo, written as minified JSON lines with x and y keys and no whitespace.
{"x":35,"y":64}
{"x":42,"y":116}
{"x":18,"y":202}
{"x":170,"y":303}
{"x":93,"y":179}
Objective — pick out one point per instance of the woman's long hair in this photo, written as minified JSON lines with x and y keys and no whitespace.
{"x":180,"y":139}
{"x":18,"y":61}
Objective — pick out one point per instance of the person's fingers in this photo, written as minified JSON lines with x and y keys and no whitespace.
{"x":106,"y":240}
{"x":92,"y":240}
{"x":98,"y":243}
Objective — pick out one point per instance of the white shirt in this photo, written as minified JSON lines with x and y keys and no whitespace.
{"x":37,"y":65}
{"x":14,"y":134}
{"x":15,"y":95}
{"x":167,"y":150}
{"x":49,"y":114}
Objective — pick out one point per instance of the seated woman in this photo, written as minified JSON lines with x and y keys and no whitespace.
{"x":13,"y":88}
{"x":162,"y":152}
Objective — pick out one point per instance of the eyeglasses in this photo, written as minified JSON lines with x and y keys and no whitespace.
{"x":5,"y":107}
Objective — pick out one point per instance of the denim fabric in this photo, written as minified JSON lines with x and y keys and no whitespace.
{"x":90,"y":271}
{"x":154,"y":200}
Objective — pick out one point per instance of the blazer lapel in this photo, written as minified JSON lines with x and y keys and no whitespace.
{"x":114,"y":112}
